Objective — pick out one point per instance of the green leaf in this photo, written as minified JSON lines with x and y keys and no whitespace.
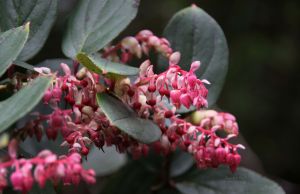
{"x":95,"y":23}
{"x":24,"y":65}
{"x":199,"y":38}
{"x":111,"y":160}
{"x":48,"y":189}
{"x":99,"y":65}
{"x":22,"y":102}
{"x":11,"y":44}
{"x":40,"y":13}
{"x":134,"y":178}
{"x":221,"y":180}
{"x":181,"y":163}
{"x":123,"y":117}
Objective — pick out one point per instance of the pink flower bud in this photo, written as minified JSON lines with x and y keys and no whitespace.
{"x":130,"y":43}
{"x":185,"y":99}
{"x":39,"y":175}
{"x":12,"y":149}
{"x":51,"y":133}
{"x":175,"y":96}
{"x":221,"y":155}
{"x":194,"y":66}
{"x":27,"y":183}
{"x":144,"y":34}
{"x":154,"y":41}
{"x":66,"y":69}
{"x":174,"y":58}
{"x":17,"y":180}
{"x":47,"y":96}
{"x":56,"y":93}
{"x":192,"y":80}
{"x":60,"y":170}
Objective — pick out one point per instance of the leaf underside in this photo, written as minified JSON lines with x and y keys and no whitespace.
{"x":22,"y":102}
{"x":123,"y":117}
{"x":199,"y":38}
{"x":40,"y":13}
{"x":11,"y":44}
{"x":94,"y":23}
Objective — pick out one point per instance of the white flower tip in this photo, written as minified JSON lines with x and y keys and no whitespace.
{"x":174,"y":58}
{"x":241,"y":146}
{"x":195,"y":65}
{"x":206,"y":81}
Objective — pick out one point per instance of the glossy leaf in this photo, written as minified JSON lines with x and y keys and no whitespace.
{"x":136,"y":179}
{"x":221,"y":180}
{"x":99,"y":65}
{"x":181,"y":163}
{"x":128,"y":180}
{"x":94,"y":23}
{"x":199,"y":38}
{"x":47,"y":189}
{"x":11,"y":44}
{"x":22,"y":102}
{"x":127,"y":120}
{"x":40,"y":13}
{"x":24,"y":65}
{"x":111,"y":160}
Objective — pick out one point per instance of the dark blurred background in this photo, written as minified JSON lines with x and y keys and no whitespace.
{"x":262,"y":87}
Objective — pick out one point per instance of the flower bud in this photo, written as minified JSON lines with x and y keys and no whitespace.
{"x":17,"y":180}
{"x":174,"y":58}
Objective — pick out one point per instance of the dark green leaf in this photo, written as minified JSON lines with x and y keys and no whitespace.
{"x":95,"y":23}
{"x":181,"y":163}
{"x":11,"y":44}
{"x":22,"y":102}
{"x":48,"y":189}
{"x":132,"y":179}
{"x":127,"y":120}
{"x":99,"y":65}
{"x":222,"y":181}
{"x":111,"y":160}
{"x":40,"y":13}
{"x":199,"y":38}
{"x":24,"y":65}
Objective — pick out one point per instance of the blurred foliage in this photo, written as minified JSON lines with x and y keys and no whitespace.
{"x":262,"y":87}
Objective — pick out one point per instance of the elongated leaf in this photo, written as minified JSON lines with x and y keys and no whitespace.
{"x":24,"y":65}
{"x":40,"y":13}
{"x":128,"y":180}
{"x":181,"y":163}
{"x":111,"y":160}
{"x":126,"y":119}
{"x":221,"y":180}
{"x":95,"y":23}
{"x":11,"y":44}
{"x":22,"y":102}
{"x":99,"y":65}
{"x":199,"y":38}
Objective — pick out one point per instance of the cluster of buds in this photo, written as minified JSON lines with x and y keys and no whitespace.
{"x":84,"y":123}
{"x":176,"y":87}
{"x":138,"y":45}
{"x":153,"y":96}
{"x":213,"y":119}
{"x":45,"y":166}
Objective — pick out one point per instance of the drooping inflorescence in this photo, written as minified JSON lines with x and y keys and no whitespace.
{"x":154,"y":96}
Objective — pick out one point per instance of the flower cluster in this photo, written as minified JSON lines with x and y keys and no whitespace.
{"x":138,"y":45}
{"x":45,"y":166}
{"x":158,"y":97}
